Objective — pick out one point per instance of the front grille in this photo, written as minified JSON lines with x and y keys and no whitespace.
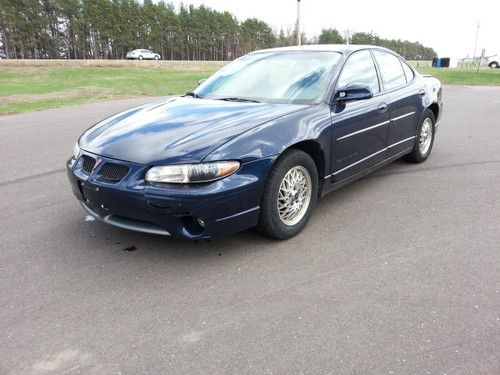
{"x":88,"y":163}
{"x":113,"y":173}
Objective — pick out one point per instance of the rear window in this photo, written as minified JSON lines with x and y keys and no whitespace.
{"x":408,"y":72}
{"x":392,"y":72}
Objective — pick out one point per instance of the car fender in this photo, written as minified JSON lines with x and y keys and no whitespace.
{"x":433,"y":90}
{"x":433,"y":96}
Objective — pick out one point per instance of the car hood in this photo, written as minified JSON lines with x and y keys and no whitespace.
{"x":178,"y":130}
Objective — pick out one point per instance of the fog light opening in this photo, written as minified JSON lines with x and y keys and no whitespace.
{"x":193,"y":225}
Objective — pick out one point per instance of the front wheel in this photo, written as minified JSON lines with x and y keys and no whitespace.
{"x":289,"y":195}
{"x":157,"y":57}
{"x":494,"y":65}
{"x":140,"y":57}
{"x":424,"y":139}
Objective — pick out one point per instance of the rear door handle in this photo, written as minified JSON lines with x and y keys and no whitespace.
{"x":421,"y":92}
{"x":382,"y":107}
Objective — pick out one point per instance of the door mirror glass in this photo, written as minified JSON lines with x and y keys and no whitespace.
{"x":354,"y":91}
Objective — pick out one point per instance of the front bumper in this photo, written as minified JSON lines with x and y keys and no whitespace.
{"x":224,"y":206}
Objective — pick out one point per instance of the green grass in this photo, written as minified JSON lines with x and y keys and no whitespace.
{"x":30,"y":88}
{"x":464,"y":76}
{"x":34,"y":88}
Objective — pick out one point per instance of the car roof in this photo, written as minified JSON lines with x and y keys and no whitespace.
{"x":342,"y":48}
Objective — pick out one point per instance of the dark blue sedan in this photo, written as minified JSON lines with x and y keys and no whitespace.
{"x":257,"y":143}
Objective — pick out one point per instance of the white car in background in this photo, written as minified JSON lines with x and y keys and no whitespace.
{"x":142,"y":54}
{"x":494,"y":62}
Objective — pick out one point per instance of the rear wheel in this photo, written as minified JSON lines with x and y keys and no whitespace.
{"x":140,"y":57}
{"x":289,"y":195}
{"x":494,"y":65}
{"x":157,"y":57}
{"x":424,"y":139}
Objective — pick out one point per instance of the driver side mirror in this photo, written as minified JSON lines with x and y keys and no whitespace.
{"x":201,"y":81}
{"x":354,"y":91}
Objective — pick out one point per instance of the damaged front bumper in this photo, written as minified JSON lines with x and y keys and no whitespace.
{"x":185,"y":211}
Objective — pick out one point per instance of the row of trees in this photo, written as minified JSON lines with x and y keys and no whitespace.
{"x":407,"y":49}
{"x":107,"y":29}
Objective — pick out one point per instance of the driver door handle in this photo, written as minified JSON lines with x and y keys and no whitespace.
{"x":382,"y":107}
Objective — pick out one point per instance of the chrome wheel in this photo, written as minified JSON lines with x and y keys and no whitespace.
{"x":294,"y":195}
{"x":425,"y":139}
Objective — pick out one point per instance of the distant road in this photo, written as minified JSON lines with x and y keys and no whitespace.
{"x":167,"y":64}
{"x":164,"y":64}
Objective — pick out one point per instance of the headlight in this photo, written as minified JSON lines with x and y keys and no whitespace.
{"x":190,"y":173}
{"x":76,"y":150}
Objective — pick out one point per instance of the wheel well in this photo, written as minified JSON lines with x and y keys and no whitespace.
{"x":434,"y":107}
{"x":314,"y":150}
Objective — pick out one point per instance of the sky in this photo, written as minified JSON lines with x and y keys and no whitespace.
{"x":447,"y":26}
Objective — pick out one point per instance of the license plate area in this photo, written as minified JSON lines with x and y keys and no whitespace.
{"x":92,"y":195}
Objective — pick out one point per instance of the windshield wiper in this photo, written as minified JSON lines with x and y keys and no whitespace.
{"x":236,"y":99}
{"x":193,"y":94}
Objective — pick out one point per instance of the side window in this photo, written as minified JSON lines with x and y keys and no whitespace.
{"x":390,"y":67}
{"x":408,"y":72}
{"x":360,"y":68}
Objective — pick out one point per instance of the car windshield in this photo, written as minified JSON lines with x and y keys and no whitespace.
{"x":274,"y":77}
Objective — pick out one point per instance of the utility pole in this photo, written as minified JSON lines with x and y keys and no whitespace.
{"x":480,"y":60}
{"x":299,"y":37}
{"x":475,"y":44}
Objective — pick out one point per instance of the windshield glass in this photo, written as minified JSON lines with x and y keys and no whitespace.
{"x":283,"y":77}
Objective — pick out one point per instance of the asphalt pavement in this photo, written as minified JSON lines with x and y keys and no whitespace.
{"x":397,"y":273}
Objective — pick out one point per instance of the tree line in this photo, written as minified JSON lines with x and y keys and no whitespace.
{"x":409,"y":50}
{"x":107,"y":29}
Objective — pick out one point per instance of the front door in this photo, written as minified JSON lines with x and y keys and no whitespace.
{"x":359,"y":127}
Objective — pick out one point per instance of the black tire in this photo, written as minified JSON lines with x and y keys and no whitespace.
{"x":494,"y":65}
{"x":270,"y":223}
{"x":157,"y":57}
{"x":140,"y":57}
{"x":416,"y":156}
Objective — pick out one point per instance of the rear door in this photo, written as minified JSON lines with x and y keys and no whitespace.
{"x":405,"y":98}
{"x":359,"y":127}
